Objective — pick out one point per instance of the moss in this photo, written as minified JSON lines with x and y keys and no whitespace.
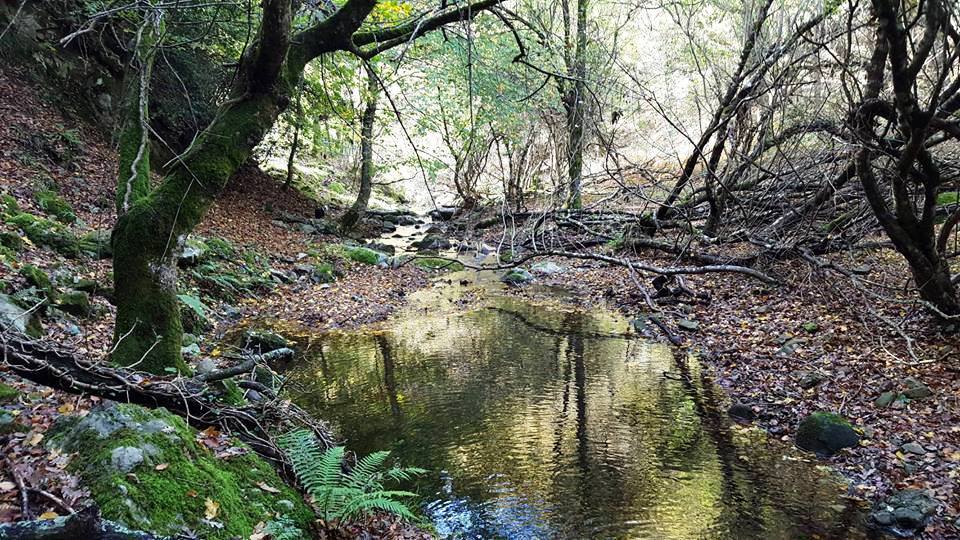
{"x":54,"y":205}
{"x":75,"y":303}
{"x":221,"y":247}
{"x":363,"y":255}
{"x":435,"y":263}
{"x":166,"y":500}
{"x":325,"y":273}
{"x":8,"y":393}
{"x":11,"y":241}
{"x":337,"y":188}
{"x":39,"y":279}
{"x":949,"y":197}
{"x":48,"y":233}
{"x":8,"y":206}
{"x":506,"y":256}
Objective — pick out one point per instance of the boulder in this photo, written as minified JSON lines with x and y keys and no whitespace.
{"x":826,"y":433}
{"x":192,"y":253}
{"x":364,"y":255}
{"x":742,"y":413}
{"x":76,"y":303}
{"x":517,"y":276}
{"x":688,"y":325}
{"x":264,"y":341}
{"x":914,"y":389}
{"x":146,"y":469}
{"x":433,"y":242}
{"x":381,"y":247}
{"x":886,"y":399}
{"x":17,"y":318}
{"x":546,"y":268}
{"x":905,"y":512}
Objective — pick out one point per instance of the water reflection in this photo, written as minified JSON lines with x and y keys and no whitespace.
{"x":542,"y":422}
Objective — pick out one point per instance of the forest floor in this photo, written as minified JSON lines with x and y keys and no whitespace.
{"x":43,"y":148}
{"x":817,"y":343}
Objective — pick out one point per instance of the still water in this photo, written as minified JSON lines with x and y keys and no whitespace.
{"x":541,"y":421}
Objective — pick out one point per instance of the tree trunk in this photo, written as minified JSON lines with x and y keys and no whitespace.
{"x":575,"y":106}
{"x":293,"y":154}
{"x":355,"y":213}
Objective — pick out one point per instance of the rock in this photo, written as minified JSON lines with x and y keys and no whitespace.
{"x":905,"y":512}
{"x":116,"y":450}
{"x":126,"y":458}
{"x":85,"y":285}
{"x":826,"y":434}
{"x":547,"y":268}
{"x":913,"y":448}
{"x":443,"y":213}
{"x":810,"y":379}
{"x":17,"y":318}
{"x":885,"y":399}
{"x":381,"y":247}
{"x":791,"y":345}
{"x":76,"y":303}
{"x":192,"y":253}
{"x":742,"y":413}
{"x":190,"y":350}
{"x":264,"y":341}
{"x":39,"y":279}
{"x":517,"y":276}
{"x":916,"y":389}
{"x":688,"y":325}
{"x":364,"y":255}
{"x":73,"y":330}
{"x":433,"y":241}
{"x":306,"y":228}
{"x":205,"y":366}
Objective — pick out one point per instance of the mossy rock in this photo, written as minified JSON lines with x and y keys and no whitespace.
{"x":146,"y":470}
{"x":96,"y":244}
{"x":75,"y":303}
{"x":324,"y":273}
{"x":517,"y":276}
{"x":826,"y":434}
{"x":364,"y":255}
{"x":11,"y":241}
{"x":39,"y":279}
{"x":946,"y":198}
{"x":13,"y":315}
{"x":506,"y":256}
{"x":54,"y":205}
{"x":8,"y":393}
{"x":48,"y":233}
{"x":263,"y":341}
{"x":435,"y":263}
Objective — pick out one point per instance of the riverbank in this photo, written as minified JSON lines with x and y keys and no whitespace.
{"x":813,"y":343}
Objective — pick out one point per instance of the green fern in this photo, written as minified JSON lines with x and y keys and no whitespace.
{"x":343,"y":495}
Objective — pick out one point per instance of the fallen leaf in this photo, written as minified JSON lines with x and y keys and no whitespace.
{"x":7,"y":486}
{"x":49,"y":515}
{"x":35,"y":439}
{"x":269,"y":489}
{"x":65,"y":408}
{"x":213,"y":508}
{"x":191,"y":493}
{"x":161,"y":467}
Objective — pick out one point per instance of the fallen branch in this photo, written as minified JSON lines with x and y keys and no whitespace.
{"x":191,"y":398}
{"x":86,"y":523}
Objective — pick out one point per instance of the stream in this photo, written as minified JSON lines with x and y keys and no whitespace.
{"x":538,"y":420}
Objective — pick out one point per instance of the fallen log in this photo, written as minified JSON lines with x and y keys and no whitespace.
{"x":192,"y":398}
{"x":87,"y":523}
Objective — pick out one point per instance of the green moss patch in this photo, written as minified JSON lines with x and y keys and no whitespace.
{"x":146,"y":470}
{"x":949,"y":197}
{"x":363,"y":255}
{"x":48,"y":233}
{"x":54,"y":205}
{"x":435,"y":263}
{"x":8,"y":393}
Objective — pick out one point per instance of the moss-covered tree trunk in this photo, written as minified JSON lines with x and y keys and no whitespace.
{"x":152,"y":226}
{"x":359,"y":207}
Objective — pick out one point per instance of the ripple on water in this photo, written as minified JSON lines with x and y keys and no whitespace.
{"x":549,"y":423}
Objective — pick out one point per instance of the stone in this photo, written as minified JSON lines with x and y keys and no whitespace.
{"x":791,"y":346}
{"x":205,"y":366}
{"x":264,"y":341}
{"x":381,"y":247}
{"x":915,"y":389}
{"x":126,"y":458}
{"x":76,"y":303}
{"x":192,"y":253}
{"x":885,"y":399}
{"x":810,"y":327}
{"x":826,"y":434}
{"x":904,"y":512}
{"x":73,"y":330}
{"x":517,"y":276}
{"x":810,"y":379}
{"x":546,"y":268}
{"x":12,"y":316}
{"x":432,"y":241}
{"x":913,"y":448}
{"x":191,"y":350}
{"x":688,"y":325}
{"x":742,"y":413}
